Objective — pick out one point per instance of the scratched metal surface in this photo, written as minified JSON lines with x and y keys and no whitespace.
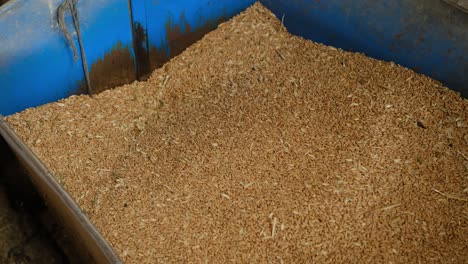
{"x":428,"y":36}
{"x":36,"y":65}
{"x":36,"y":62}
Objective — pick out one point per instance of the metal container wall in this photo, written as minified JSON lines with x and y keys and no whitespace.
{"x":122,"y":40}
{"x":125,"y":40}
{"x":37,"y":64}
{"x":79,"y":230}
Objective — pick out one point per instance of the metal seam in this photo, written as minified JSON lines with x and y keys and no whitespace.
{"x":70,"y":5}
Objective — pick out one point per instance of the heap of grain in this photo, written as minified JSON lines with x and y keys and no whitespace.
{"x":255,"y":145}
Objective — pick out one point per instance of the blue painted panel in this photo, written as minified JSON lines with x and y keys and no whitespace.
{"x":106,"y":30}
{"x":428,"y":36}
{"x":37,"y":66}
{"x":36,"y":63}
{"x":172,"y":25}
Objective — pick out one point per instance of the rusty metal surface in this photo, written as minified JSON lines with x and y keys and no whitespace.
{"x":116,"y":68}
{"x":107,"y":40}
{"x":140,"y":40}
{"x":167,"y":27}
{"x":177,"y":40}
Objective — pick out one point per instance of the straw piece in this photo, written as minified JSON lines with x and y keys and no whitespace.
{"x":450,"y":196}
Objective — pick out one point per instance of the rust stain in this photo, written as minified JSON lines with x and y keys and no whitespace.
{"x":115,"y":69}
{"x":399,"y":35}
{"x":82,"y":88}
{"x":141,"y":50}
{"x":420,"y":39}
{"x":177,"y":39}
{"x":79,"y":88}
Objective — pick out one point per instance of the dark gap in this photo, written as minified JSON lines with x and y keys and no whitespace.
{"x":3,"y":2}
{"x":38,"y":225}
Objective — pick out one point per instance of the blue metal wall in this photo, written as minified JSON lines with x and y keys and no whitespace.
{"x":36,"y":65}
{"x":124,"y":40}
{"x":106,"y":29}
{"x":36,"y":62}
{"x":171,"y":26}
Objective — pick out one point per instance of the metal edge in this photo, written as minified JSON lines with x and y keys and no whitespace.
{"x":59,"y":199}
{"x":462,"y":6}
{"x":7,"y":5}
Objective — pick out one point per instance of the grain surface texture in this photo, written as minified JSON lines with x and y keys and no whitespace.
{"x":258,"y":146}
